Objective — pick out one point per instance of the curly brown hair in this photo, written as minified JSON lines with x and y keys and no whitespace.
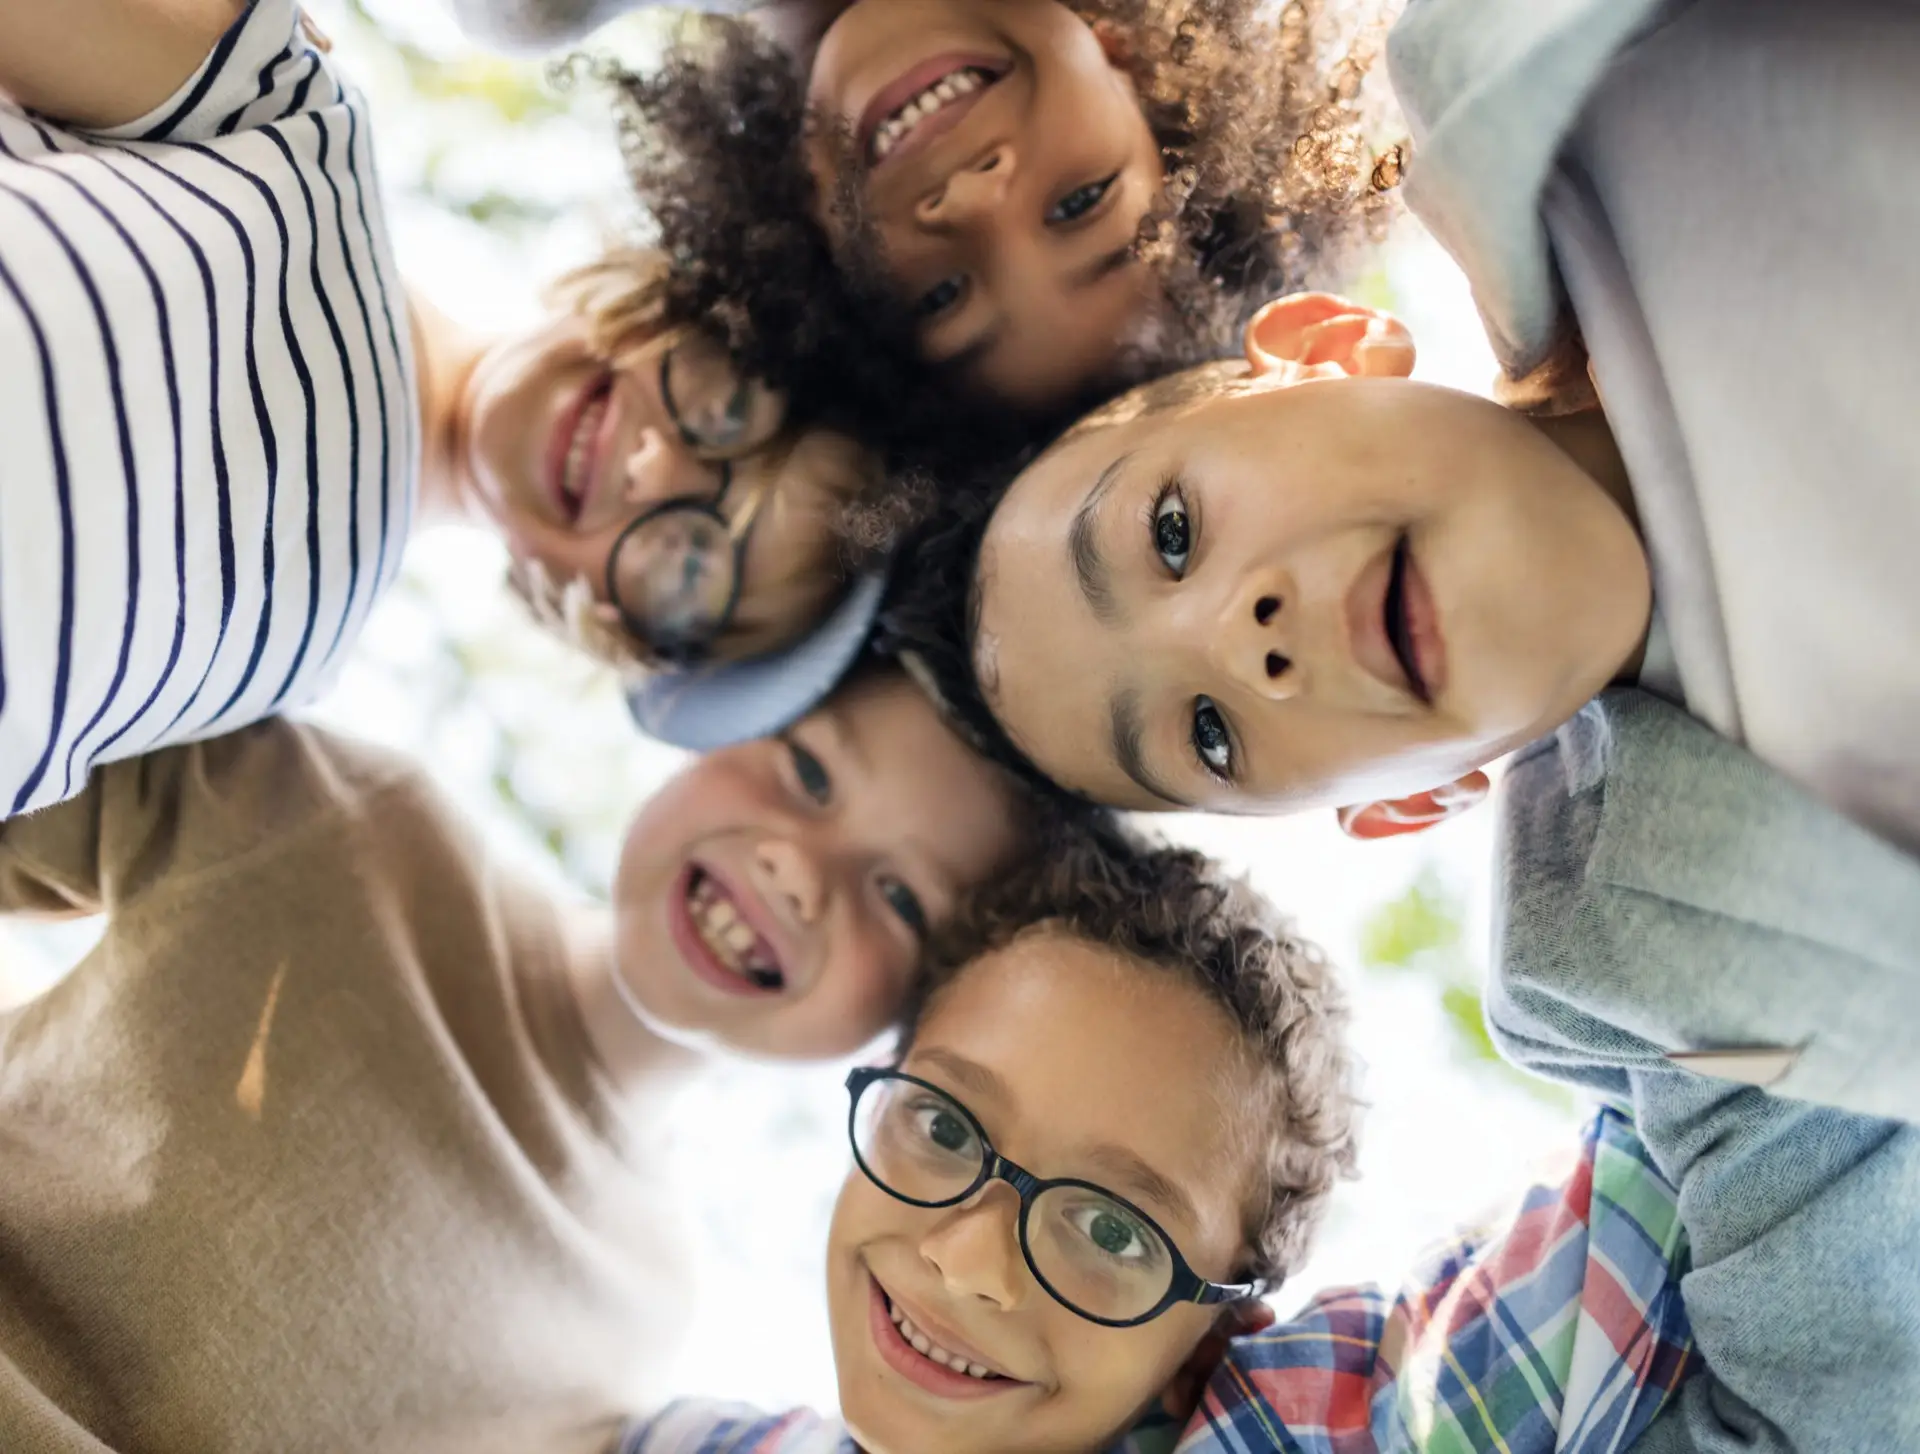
{"x":1272,"y":185}
{"x":1173,"y":911}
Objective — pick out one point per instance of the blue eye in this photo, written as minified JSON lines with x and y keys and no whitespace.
{"x":940,"y":297}
{"x":1172,"y":531}
{"x":904,"y":902}
{"x":812,"y":777}
{"x":1211,"y":741}
{"x":1080,"y":201}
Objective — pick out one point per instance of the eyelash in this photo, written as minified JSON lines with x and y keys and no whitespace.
{"x":1220,"y":774}
{"x":1173,"y":489}
{"x":1099,"y":191}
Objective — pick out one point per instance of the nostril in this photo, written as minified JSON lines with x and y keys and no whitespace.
{"x":1264,"y":608}
{"x":1276,"y":664}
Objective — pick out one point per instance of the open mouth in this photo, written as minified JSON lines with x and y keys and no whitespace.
{"x":928,"y":100}
{"x":921,"y":1357}
{"x":1400,"y":628}
{"x":733,"y":946}
{"x":577,"y":449}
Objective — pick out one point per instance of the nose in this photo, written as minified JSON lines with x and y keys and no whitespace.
{"x":974,"y":192}
{"x":976,"y":1249}
{"x":1250,"y":647}
{"x":650,"y":468}
{"x":790,"y":872}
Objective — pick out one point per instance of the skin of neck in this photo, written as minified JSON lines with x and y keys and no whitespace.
{"x":445,"y":355}
{"x":1587,"y":439}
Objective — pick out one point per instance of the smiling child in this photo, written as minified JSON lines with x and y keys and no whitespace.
{"x":344,"y":1137}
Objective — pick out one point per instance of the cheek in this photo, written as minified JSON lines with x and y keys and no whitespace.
{"x":719,"y":792}
{"x":863,"y":982}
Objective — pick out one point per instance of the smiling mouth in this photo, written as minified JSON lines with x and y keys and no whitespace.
{"x":932,"y":1352}
{"x":944,"y":95}
{"x":574,"y":482}
{"x":730,"y":939}
{"x":1399,"y":628}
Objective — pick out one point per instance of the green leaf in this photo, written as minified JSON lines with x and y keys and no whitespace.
{"x":1423,"y":923}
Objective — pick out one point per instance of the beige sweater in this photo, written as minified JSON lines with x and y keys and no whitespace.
{"x":309,"y":1153}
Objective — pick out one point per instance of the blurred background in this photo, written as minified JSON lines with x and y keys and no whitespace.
{"x":498,"y":178}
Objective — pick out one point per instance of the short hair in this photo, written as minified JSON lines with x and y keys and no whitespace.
{"x":1172,"y":911}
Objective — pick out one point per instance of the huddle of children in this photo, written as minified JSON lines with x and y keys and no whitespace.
{"x":343,"y":1138}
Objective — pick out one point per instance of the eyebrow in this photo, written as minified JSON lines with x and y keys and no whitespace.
{"x":974,"y":1076}
{"x":1125,"y":732}
{"x":1141,"y":1179}
{"x":1103,"y":266}
{"x":1083,"y":546}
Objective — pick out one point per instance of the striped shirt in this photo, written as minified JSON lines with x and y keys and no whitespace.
{"x":208,"y":420}
{"x":1559,"y":1330}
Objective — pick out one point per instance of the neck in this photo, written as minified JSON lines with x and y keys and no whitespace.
{"x":1587,"y":439}
{"x":640,"y":1063}
{"x":445,"y":355}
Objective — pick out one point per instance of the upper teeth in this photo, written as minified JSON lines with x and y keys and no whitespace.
{"x":899,"y":126}
{"x":927,"y":1348}
{"x":730,"y":937}
{"x":584,"y":430}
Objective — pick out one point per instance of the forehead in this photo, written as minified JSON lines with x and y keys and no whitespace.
{"x":1066,"y":1026}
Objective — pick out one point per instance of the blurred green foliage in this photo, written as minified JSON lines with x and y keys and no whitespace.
{"x":1423,"y":933}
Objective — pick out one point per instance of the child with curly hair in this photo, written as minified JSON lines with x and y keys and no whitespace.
{"x":910,"y":203}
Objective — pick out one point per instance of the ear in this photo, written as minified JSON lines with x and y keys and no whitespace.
{"x":1114,"y":43}
{"x":1322,"y":335}
{"x":1392,"y":817}
{"x":1182,"y":1394}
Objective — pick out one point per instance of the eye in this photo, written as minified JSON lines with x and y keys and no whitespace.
{"x":809,"y":773}
{"x":1112,"y":1231}
{"x":1080,"y":201}
{"x":943,"y":1126}
{"x":1211,"y":741}
{"x":1172,"y":531}
{"x":905,"y":903}
{"x":941,"y":297}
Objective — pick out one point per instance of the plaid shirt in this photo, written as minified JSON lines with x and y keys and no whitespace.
{"x":1558,"y":1331}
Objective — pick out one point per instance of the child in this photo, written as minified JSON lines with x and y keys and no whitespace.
{"x":224,"y":408}
{"x":344,"y":1138}
{"x":1564,"y":1330}
{"x":1037,"y":1237}
{"x":1016,"y":200}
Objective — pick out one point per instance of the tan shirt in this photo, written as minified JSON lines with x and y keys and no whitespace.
{"x":309,"y":1153}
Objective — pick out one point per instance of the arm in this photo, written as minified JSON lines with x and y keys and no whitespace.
{"x":102,"y":63}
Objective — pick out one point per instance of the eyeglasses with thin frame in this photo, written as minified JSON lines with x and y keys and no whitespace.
{"x":675,"y":572}
{"x":1095,"y":1253}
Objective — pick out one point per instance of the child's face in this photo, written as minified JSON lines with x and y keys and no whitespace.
{"x":1043,"y":1042}
{"x":564,"y":447}
{"x":1005,"y":205}
{"x":1290,"y":597}
{"x":773,"y":898}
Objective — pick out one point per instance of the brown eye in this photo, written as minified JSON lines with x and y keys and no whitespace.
{"x":1172,"y":534}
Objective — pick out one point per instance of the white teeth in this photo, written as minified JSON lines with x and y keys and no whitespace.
{"x":932,"y":1351}
{"x":897,"y":127}
{"x":732,"y":940}
{"x":584,"y":430}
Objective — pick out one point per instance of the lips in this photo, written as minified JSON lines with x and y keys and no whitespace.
{"x":1393,"y":626}
{"x":925,"y":102}
{"x":892,"y":1323}
{"x":712,"y":926}
{"x":575,"y":448}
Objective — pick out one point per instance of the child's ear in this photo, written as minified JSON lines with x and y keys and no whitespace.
{"x":1322,"y":335}
{"x":1391,"y":817}
{"x":1182,"y":1394}
{"x":1114,"y":43}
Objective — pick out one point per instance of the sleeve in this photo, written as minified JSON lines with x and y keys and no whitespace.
{"x":264,"y":69}
{"x":704,"y":1426}
{"x":542,"y":25}
{"x":174,"y":815}
{"x":1803,"y":1295}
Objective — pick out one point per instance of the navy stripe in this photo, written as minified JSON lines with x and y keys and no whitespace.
{"x":158,"y":294}
{"x":215,"y":63}
{"x":272,"y":133}
{"x":410,"y":419}
{"x":269,"y":442}
{"x":299,"y":102}
{"x":300,"y":370}
{"x":379,"y":394}
{"x":267,"y":72}
{"x":123,"y":437}
{"x":62,"y":485}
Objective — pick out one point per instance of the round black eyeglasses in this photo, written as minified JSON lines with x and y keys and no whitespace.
{"x":674,"y":573}
{"x":1095,"y":1253}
